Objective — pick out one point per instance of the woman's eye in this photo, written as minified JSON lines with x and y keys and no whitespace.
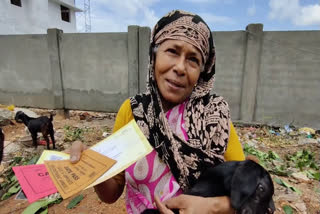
{"x":171,"y":50}
{"x":195,"y":60}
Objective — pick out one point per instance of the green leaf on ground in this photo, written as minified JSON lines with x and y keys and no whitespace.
{"x":10,"y":184}
{"x":302,"y":159}
{"x":266,"y":159}
{"x":13,"y":178}
{"x":287,"y":209}
{"x":273,"y":156}
{"x":73,"y":133}
{"x":313,"y":174}
{"x":285,"y":184}
{"x":75,"y":201}
{"x":12,"y":190}
{"x":33,"y":160}
{"x":45,"y":211}
{"x":271,"y":161}
{"x":36,"y":206}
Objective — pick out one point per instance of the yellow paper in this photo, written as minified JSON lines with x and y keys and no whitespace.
{"x":52,"y":155}
{"x":126,"y":146}
{"x":70,"y":178}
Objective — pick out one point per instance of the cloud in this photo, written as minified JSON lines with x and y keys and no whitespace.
{"x":292,"y":10}
{"x":251,"y":11}
{"x":309,"y":15}
{"x":213,"y":19}
{"x":115,"y":16}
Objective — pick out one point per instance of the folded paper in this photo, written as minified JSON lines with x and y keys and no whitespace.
{"x":72,"y":178}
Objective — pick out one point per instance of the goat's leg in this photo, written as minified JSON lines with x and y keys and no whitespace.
{"x":51,"y":132}
{"x":53,"y":141}
{"x":45,"y":136}
{"x":34,"y":140}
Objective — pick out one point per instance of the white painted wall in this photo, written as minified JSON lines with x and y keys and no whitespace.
{"x":34,"y":17}
{"x":55,"y":21}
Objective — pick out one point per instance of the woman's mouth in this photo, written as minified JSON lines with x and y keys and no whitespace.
{"x":175,"y":84}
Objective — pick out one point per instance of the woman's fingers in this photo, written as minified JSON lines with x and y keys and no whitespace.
{"x":161,"y":207}
{"x":76,"y":150}
{"x":176,"y":202}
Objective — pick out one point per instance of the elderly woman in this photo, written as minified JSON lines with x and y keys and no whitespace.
{"x":189,"y":128}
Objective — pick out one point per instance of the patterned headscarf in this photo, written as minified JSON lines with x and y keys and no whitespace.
{"x":206,"y":116}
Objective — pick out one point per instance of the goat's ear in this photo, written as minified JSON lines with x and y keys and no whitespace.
{"x":18,"y":113}
{"x":244,"y":182}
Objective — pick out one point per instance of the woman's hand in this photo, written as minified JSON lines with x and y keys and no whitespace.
{"x":75,"y":151}
{"x":188,"y":204}
{"x":108,"y":191}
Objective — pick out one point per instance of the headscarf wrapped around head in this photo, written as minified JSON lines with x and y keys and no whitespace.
{"x":206,"y":116}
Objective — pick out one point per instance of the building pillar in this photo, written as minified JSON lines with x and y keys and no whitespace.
{"x":251,"y":72}
{"x":144,"y":44}
{"x":54,"y":48}
{"x":133,"y":60}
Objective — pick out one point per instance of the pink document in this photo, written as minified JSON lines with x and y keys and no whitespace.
{"x":34,"y":181}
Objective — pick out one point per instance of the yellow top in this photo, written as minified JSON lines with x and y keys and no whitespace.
{"x":234,"y":150}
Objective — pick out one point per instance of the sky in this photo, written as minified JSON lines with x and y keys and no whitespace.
{"x":220,"y":15}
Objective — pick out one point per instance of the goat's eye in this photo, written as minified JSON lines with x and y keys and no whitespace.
{"x":260,"y":188}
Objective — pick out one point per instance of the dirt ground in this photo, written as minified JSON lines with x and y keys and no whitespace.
{"x":93,"y":127}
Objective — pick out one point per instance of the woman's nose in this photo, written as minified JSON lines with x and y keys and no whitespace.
{"x":180,"y":67}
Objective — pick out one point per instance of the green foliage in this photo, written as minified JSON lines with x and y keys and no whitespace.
{"x":75,"y":201}
{"x":313,"y":174}
{"x":285,"y":184}
{"x":287,"y":209}
{"x":73,"y":133}
{"x":45,"y":211}
{"x":33,"y":160}
{"x":303,"y":159}
{"x":267,"y":160}
{"x":15,"y":187}
{"x":263,"y":156}
{"x":39,"y":205}
{"x":10,"y":184}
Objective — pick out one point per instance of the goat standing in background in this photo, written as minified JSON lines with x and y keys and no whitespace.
{"x":41,"y":124}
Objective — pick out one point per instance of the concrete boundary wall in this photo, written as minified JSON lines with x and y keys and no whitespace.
{"x":266,"y":77}
{"x":25,"y":77}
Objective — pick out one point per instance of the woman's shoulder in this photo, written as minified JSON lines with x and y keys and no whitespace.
{"x":216,"y":102}
{"x":125,"y":109}
{"x":124,"y":115}
{"x":214,"y":98}
{"x":125,"y":106}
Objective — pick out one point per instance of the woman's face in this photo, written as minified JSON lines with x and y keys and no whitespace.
{"x":177,"y":70}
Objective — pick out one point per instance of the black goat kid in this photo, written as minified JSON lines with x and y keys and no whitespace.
{"x":248,"y":185}
{"x":41,"y":124}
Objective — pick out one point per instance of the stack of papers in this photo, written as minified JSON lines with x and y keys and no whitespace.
{"x":97,"y":164}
